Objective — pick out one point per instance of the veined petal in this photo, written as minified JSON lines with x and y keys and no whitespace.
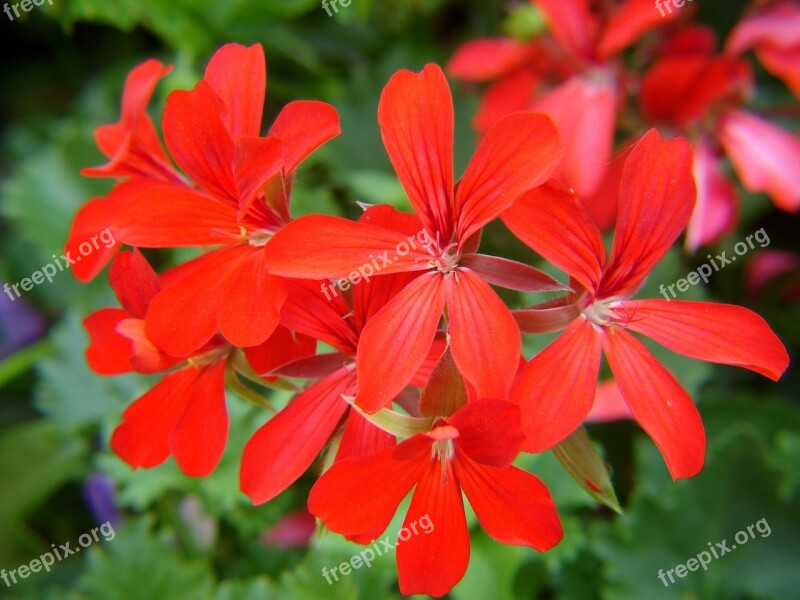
{"x":556,"y":226}
{"x":513,"y":506}
{"x":719,"y":333}
{"x":256,"y":161}
{"x":489,"y":431}
{"x":657,"y":196}
{"x":416,"y":119}
{"x":361,"y":493}
{"x":172,"y":216}
{"x":396,"y":341}
{"x":362,"y":437}
{"x":198,"y":439}
{"x":199,"y":141}
{"x":485,"y":339}
{"x":282,"y":449}
{"x":511,"y":274}
{"x":323,"y":247}
{"x":282,"y":348}
{"x":519,"y":152}
{"x":134,"y":281}
{"x":238,"y":76}
{"x":433,"y":562}
{"x":556,"y":388}
{"x":303,"y":126}
{"x":658,"y":403}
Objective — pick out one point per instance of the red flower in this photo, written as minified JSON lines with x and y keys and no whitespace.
{"x":471,"y":451}
{"x":519,"y":152}
{"x":212,"y":133}
{"x":184,"y":414}
{"x":282,"y":449}
{"x":556,"y":388}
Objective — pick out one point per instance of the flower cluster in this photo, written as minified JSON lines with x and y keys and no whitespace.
{"x":423,"y":386}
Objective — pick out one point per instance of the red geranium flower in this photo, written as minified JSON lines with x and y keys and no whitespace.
{"x":557,"y":386}
{"x":471,"y":451}
{"x":519,"y":152}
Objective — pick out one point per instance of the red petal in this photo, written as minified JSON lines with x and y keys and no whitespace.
{"x":609,"y":404}
{"x":322,"y":247}
{"x":303,"y":126}
{"x":658,"y":403}
{"x":238,"y":76}
{"x":201,"y":290}
{"x":513,"y":506}
{"x":584,"y":111}
{"x":572,"y":23}
{"x":171,"y":217}
{"x":396,"y":341}
{"x":256,"y":161}
{"x":518,"y":153}
{"x":485,"y":339}
{"x":720,"y":333}
{"x":784,"y":63}
{"x":134,"y":281}
{"x":282,"y":347}
{"x":766,"y":157}
{"x":555,"y":225}
{"x":509,"y":95}
{"x":95,"y":218}
{"x":308,"y":311}
{"x":362,"y":493}
{"x":108,"y":351}
{"x":416,"y":119}
{"x":489,"y":431}
{"x":485,"y":59}
{"x":142,"y":440}
{"x":657,"y":197}
{"x":556,"y":388}
{"x":282,"y":449}
{"x":145,"y":356}
{"x":251,"y":309}
{"x":434,"y":559}
{"x":630,"y":21}
{"x":775,"y":24}
{"x":362,"y":437}
{"x":199,"y":437}
{"x":199,"y":141}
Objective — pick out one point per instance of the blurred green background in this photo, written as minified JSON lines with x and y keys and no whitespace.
{"x":177,"y":537}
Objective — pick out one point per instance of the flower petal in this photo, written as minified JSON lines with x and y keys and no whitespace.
{"x":198,"y":439}
{"x":485,"y":339}
{"x":553,"y":223}
{"x":238,"y":76}
{"x":719,"y":333}
{"x":657,"y":196}
{"x":283,"y":448}
{"x":396,"y":341}
{"x":658,"y":403}
{"x":556,"y":388}
{"x":416,"y":119}
{"x":134,"y":281}
{"x":630,"y":21}
{"x":432,"y":562}
{"x":108,"y":350}
{"x":362,"y":437}
{"x":572,"y":23}
{"x":519,"y":152}
{"x":485,"y":59}
{"x":513,"y":506}
{"x":489,"y":431}
{"x":303,"y":126}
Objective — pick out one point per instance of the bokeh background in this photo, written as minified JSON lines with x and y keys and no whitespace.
{"x":180,"y":538}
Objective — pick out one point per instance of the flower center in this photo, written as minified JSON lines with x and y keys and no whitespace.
{"x":603,"y":313}
{"x":447,"y":260}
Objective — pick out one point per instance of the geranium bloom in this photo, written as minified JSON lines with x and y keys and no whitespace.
{"x":245,"y":180}
{"x":555,"y":390}
{"x":470,"y":451}
{"x":693,"y":90}
{"x":416,"y":120}
{"x":184,"y":414}
{"x":282,"y":449}
{"x":588,"y":39}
